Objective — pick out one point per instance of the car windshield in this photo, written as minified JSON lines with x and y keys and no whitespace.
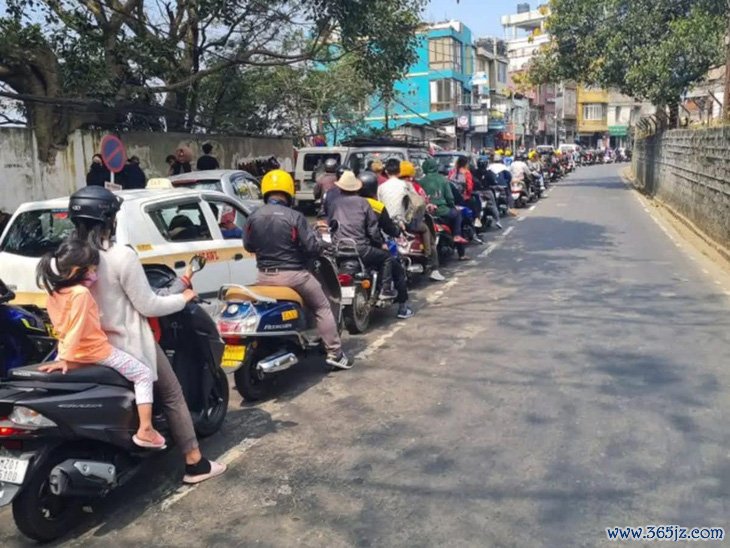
{"x":446,"y":160}
{"x":34,"y":233}
{"x":201,"y":184}
{"x":364,"y":159}
{"x":245,"y":188}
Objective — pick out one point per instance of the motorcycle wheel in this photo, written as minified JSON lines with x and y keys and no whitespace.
{"x":211,"y":418}
{"x":251,"y":383}
{"x":357,"y":315}
{"x":41,"y":515}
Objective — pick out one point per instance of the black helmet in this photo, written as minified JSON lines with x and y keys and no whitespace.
{"x":331,"y":165}
{"x":340,"y":172}
{"x":369,"y":182}
{"x":482,"y":164}
{"x":95,"y":203}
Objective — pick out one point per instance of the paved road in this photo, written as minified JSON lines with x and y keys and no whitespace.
{"x":574,"y":379}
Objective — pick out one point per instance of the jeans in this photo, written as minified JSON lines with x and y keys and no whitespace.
{"x":380,"y":259}
{"x":314,"y":299}
{"x":453,"y":219}
{"x":170,"y":396}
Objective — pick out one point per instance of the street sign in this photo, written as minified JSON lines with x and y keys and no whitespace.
{"x":113,"y":153}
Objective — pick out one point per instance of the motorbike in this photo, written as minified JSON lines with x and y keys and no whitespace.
{"x":267,"y":330}
{"x":26,"y":335}
{"x":67,"y":438}
{"x":521,"y":193}
{"x":360,"y":286}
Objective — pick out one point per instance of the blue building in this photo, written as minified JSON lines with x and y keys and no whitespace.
{"x":432,"y":101}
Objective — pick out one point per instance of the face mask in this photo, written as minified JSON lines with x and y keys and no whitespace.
{"x":90,"y":279}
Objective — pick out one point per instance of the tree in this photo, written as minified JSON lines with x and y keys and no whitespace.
{"x":649,"y":49}
{"x":142,"y":63}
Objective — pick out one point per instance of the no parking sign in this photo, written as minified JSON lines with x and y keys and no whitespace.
{"x":113,"y":154}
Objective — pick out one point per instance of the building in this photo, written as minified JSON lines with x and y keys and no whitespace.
{"x":491,"y":102}
{"x":433,"y":101}
{"x":592,"y":119}
{"x":704,"y":102}
{"x":525,"y":33}
{"x":566,"y":112}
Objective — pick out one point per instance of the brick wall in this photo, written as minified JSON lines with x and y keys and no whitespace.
{"x":689,"y":170}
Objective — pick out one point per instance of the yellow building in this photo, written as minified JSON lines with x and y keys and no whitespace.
{"x":592,"y":116}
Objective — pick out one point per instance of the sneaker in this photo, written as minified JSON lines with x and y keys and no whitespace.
{"x":203,"y":470}
{"x":498,"y":225}
{"x":340,"y":361}
{"x":436,"y":276}
{"x":477,"y":223}
{"x":405,"y":312}
{"x":388,"y":294}
{"x":460,"y":240}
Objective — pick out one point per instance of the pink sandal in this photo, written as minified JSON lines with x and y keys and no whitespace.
{"x":159,"y":445}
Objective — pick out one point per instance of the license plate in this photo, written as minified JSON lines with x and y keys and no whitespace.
{"x":233,"y":355}
{"x":348,"y":292}
{"x":13,"y":470}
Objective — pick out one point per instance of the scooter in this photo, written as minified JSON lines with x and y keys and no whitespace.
{"x":67,"y":438}
{"x":521,"y":193}
{"x":360,"y":286}
{"x":26,"y":335}
{"x":412,"y":252}
{"x":267,"y":329}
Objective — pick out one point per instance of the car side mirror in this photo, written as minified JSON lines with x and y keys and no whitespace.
{"x":197,"y":263}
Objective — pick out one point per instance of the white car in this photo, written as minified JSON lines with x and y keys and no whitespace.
{"x":164,"y":227}
{"x":232,"y":182}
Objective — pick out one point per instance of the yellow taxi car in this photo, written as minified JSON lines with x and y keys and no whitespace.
{"x":164,"y":227}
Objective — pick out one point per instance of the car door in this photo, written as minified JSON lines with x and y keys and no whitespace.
{"x":230,"y":218}
{"x":183,"y":228}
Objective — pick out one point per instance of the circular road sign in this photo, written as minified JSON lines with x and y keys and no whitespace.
{"x":113,"y":153}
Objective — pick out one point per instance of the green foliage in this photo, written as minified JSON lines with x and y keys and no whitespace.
{"x":232,"y":65}
{"x":649,"y":49}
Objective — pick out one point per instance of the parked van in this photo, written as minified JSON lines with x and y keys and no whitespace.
{"x":310,"y":160}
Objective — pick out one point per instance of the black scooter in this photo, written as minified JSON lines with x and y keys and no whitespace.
{"x":66,"y":439}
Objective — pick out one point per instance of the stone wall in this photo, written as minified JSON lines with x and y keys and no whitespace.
{"x":23,"y":178}
{"x":689,"y":170}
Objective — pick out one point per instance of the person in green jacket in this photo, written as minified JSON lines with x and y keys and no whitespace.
{"x":441,"y":196}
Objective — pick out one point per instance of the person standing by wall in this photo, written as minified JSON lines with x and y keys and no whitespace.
{"x":98,"y":173}
{"x":207,"y":161}
{"x":132,"y":176}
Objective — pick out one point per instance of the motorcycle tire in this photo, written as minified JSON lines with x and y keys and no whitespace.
{"x":357,"y":315}
{"x":41,"y":515}
{"x":251,"y":384}
{"x":211,"y":419}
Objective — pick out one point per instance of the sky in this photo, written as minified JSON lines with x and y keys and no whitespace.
{"x":481,"y":16}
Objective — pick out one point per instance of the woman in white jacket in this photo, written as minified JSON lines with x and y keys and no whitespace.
{"x":126,"y":300}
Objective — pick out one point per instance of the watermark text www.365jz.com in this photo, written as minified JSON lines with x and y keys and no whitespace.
{"x":671,"y":533}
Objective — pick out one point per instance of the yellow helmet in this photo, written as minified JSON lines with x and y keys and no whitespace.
{"x":499,"y":151}
{"x":508,"y":152}
{"x":532,"y":155}
{"x":277,"y":180}
{"x":407,"y":169}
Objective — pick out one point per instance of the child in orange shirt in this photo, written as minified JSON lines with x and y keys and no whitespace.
{"x":67,"y":275}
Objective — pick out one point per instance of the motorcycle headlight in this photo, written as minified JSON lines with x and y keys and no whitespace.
{"x":28,"y":418}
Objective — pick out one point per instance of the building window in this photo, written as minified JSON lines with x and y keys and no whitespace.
{"x":502,"y":73}
{"x":444,"y":54}
{"x":442,"y":95}
{"x":469,"y":60}
{"x":593,"y":112}
{"x":618,"y":115}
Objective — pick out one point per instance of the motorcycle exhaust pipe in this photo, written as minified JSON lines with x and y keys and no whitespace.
{"x":82,"y":478}
{"x":277,"y":362}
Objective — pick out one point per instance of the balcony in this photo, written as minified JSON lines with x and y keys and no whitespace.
{"x":593,"y":126}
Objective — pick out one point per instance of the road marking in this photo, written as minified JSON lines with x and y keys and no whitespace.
{"x":705,"y":271}
{"x":533,"y":208}
{"x":507,"y":232}
{"x":380,"y":341}
{"x":521,"y":219}
{"x":487,"y":251}
{"x":227,"y":458}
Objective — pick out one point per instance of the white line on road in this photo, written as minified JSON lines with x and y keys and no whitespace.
{"x":521,"y":219}
{"x":227,"y":458}
{"x":380,"y":341}
{"x":507,"y":232}
{"x":532,"y":208}
{"x":487,"y":251}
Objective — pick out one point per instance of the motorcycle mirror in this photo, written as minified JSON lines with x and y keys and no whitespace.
{"x":334,"y":226}
{"x":197,"y":263}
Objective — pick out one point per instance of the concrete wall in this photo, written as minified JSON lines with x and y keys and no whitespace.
{"x":25,"y":179}
{"x":689,"y":170}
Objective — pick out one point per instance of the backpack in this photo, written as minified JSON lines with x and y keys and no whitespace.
{"x":414,"y":205}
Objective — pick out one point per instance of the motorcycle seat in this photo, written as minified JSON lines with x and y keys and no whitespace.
{"x":97,"y":374}
{"x":271,"y":291}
